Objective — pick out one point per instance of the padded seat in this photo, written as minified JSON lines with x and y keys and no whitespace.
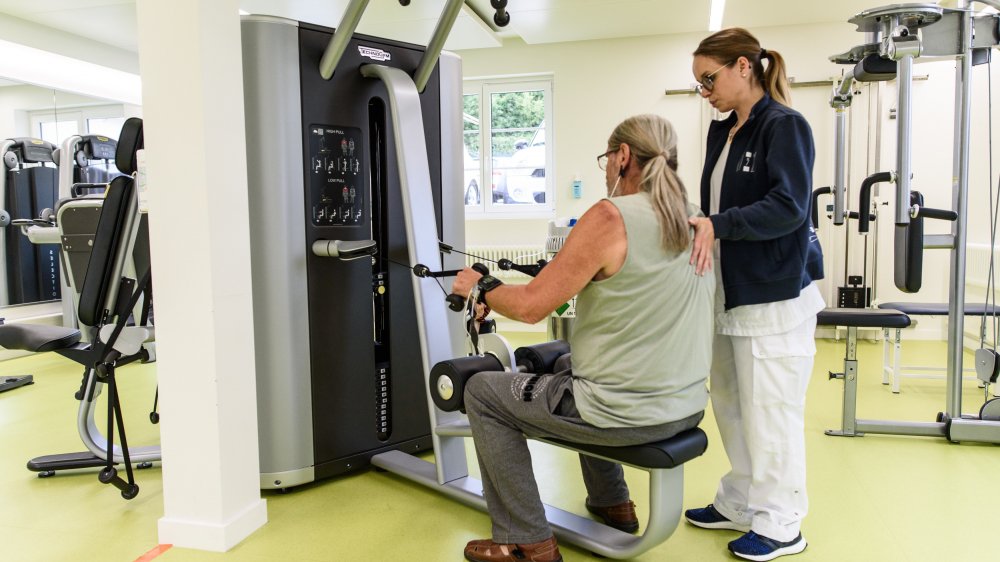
{"x":940,"y":308}
{"x":863,"y":318}
{"x":669,"y":453}
{"x":38,"y":337}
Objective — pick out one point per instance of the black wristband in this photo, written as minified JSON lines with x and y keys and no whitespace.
{"x":486,"y":284}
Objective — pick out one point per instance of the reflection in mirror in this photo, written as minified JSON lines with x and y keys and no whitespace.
{"x":49,"y":141}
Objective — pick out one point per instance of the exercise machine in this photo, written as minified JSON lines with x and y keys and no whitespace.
{"x":112,"y":284}
{"x":895,"y":36}
{"x":362,"y":187}
{"x":27,"y":187}
{"x":359,"y":178}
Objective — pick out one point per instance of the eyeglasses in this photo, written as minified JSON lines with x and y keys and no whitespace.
{"x":602,"y":159}
{"x":708,"y":82}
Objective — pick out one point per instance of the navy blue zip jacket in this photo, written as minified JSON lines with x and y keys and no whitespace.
{"x":768,"y":249}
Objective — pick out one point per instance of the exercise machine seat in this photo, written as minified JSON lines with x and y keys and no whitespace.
{"x":37,"y":337}
{"x":669,"y":453}
{"x":940,"y":308}
{"x":863,"y":317}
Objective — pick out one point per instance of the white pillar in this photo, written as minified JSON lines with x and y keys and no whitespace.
{"x":191,"y":67}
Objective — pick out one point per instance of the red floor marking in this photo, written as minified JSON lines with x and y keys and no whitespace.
{"x":154,"y":553}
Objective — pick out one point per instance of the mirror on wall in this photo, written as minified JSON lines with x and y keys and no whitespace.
{"x":37,"y":125}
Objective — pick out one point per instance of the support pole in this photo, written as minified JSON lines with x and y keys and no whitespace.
{"x":904,"y":131}
{"x":960,"y":190}
{"x":341,"y":37}
{"x":433,"y":51}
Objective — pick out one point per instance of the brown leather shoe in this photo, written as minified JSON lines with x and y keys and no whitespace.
{"x":621,"y":516}
{"x":489,"y":551}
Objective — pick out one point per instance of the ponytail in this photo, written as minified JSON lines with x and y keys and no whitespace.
{"x":775,"y":81}
{"x":654,"y":146}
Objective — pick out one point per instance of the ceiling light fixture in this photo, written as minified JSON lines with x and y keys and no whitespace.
{"x":49,"y":70}
{"x":715,"y":15}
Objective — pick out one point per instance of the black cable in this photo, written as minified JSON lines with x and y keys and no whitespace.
{"x":450,"y":249}
{"x":407,"y":266}
{"x":990,"y":279}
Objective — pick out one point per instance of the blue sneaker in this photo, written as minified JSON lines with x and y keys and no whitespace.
{"x":708,"y":518}
{"x":752,"y":546}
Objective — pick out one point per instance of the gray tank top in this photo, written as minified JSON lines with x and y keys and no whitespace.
{"x":642,"y":340}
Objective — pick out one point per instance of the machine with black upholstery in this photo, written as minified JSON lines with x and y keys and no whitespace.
{"x":852,"y":319}
{"x":107,"y":299}
{"x":28,"y":186}
{"x":663,"y":460}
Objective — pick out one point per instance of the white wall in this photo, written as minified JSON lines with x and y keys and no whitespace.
{"x":17,"y":101}
{"x":598,"y":83}
{"x":28,"y":33}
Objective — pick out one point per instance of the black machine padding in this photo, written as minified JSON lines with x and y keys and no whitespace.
{"x":909,"y":246}
{"x":874,"y":68}
{"x":129,"y":142}
{"x":940,"y":308}
{"x":669,"y":453}
{"x":37,"y":337}
{"x":540,"y":358}
{"x":33,"y":151}
{"x":862,"y":318}
{"x":459,"y":371}
{"x":107,"y":240}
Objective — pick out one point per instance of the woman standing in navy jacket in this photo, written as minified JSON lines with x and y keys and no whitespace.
{"x":755,"y":194}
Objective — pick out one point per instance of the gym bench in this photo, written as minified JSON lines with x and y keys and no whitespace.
{"x":892,"y":371}
{"x":852,"y":319}
{"x":663,"y":460}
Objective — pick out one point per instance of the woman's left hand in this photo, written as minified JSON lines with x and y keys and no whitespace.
{"x":704,"y":241}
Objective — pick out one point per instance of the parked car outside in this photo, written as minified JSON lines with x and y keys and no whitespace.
{"x":498,"y":184}
{"x":472,"y":193}
{"x":525,"y":172}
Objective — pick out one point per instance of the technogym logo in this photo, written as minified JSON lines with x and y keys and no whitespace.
{"x":373,"y":53}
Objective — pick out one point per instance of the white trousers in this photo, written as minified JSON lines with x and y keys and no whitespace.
{"x":758,"y":389}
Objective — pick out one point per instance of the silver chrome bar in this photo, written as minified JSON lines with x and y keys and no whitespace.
{"x":433,"y":51}
{"x":341,"y":36}
{"x":956,"y":296}
{"x":904,"y":127}
{"x":840,"y":164}
{"x":67,"y":153}
{"x":436,"y":343}
{"x":4,"y":296}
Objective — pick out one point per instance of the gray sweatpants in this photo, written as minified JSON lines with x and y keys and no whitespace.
{"x":503,"y":409}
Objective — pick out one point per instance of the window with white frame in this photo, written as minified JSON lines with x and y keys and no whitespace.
{"x":57,"y":126}
{"x":507,"y":161}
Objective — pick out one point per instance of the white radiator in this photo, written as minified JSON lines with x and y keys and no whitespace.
{"x":518,"y":254}
{"x":977,"y":272}
{"x":977,"y":264}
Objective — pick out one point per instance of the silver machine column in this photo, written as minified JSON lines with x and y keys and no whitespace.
{"x":339,"y":158}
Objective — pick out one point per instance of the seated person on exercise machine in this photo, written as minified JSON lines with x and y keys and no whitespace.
{"x":641,"y":346}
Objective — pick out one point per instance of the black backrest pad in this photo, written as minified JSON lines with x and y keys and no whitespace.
{"x":107,"y":240}
{"x":129,"y":141}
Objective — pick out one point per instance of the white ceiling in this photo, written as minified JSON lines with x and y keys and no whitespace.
{"x":534,"y":21}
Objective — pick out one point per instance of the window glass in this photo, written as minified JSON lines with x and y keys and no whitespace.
{"x":55,"y":131}
{"x":505,"y":137}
